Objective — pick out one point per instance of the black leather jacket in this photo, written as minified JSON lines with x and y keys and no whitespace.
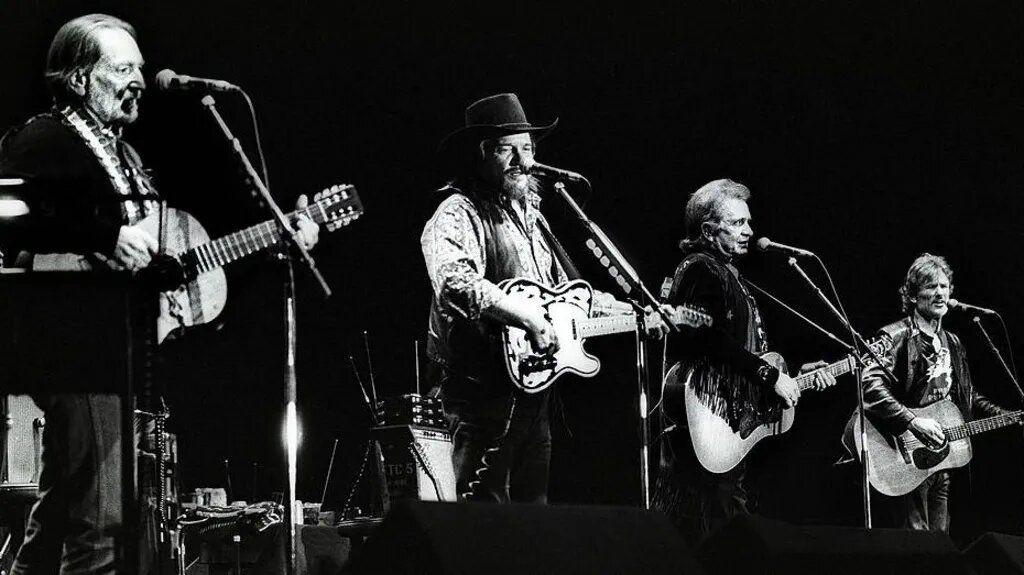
{"x":886,"y":402}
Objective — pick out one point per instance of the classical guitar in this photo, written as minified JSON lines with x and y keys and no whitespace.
{"x":204,"y":293}
{"x":717,"y":445}
{"x":568,"y":308}
{"x":897,"y":464}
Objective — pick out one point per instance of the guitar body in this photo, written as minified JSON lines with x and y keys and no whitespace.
{"x":200,"y":300}
{"x":565,"y":305}
{"x":898,"y":464}
{"x":717,"y":446}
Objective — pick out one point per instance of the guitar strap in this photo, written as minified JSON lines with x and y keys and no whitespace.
{"x":559,"y":252}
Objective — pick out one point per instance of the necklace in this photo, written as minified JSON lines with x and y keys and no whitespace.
{"x":103,"y":144}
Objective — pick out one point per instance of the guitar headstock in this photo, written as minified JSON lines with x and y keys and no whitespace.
{"x":690,"y":316}
{"x":336,"y":207}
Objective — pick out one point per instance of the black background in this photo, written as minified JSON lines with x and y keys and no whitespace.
{"x":869,"y":132}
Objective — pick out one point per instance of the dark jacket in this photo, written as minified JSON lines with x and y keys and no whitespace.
{"x":887,"y":402}
{"x":729,"y":377}
{"x":76,"y":209}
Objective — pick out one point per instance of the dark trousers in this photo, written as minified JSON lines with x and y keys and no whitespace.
{"x":924,"y":508}
{"x":75,"y":526}
{"x":501,"y":446}
{"x":695,"y":499}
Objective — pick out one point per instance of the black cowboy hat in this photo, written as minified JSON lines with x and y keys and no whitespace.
{"x":492,"y":117}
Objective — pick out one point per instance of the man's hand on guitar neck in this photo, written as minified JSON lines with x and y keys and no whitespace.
{"x":822,"y":378}
{"x":654,"y":325}
{"x":307,"y":230}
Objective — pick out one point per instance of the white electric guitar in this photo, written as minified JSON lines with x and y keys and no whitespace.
{"x":568,"y":308}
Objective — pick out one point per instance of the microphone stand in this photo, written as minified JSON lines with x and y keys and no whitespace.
{"x":291,"y":423}
{"x":633,"y":287}
{"x":999,"y":356}
{"x":858,"y":374}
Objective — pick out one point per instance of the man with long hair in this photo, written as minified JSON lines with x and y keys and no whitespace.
{"x":100,"y":192}
{"x":490,"y":228}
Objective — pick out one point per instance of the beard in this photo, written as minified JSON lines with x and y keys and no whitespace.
{"x":515,"y":185}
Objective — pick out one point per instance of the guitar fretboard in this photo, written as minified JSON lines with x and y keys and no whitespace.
{"x":806,"y":381}
{"x":232,"y":247}
{"x":597,"y":326}
{"x":982,"y":425}
{"x":235,"y":246}
{"x":845,"y":365}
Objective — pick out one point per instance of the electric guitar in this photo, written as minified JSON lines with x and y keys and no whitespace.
{"x":568,"y":308}
{"x":203,"y":295}
{"x":717,"y":445}
{"x":898,"y":464}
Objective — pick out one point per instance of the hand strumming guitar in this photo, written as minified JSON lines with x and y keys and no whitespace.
{"x":520,"y":312}
{"x":135,"y":247}
{"x":787,"y":388}
{"x":927,"y":430}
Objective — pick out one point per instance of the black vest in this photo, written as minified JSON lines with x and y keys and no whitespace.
{"x":472,"y":349}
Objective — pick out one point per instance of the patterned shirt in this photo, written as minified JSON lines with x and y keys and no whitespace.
{"x":456,"y":257}
{"x":933,"y":374}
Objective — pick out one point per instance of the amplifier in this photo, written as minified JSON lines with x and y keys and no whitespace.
{"x":21,"y":441}
{"x":417,"y":462}
{"x":412,"y":409}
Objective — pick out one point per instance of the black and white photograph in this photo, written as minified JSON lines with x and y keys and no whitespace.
{"x":721,"y":287}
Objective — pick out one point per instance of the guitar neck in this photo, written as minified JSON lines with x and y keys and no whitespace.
{"x":597,"y":326}
{"x":680,"y":315}
{"x":233,"y":247}
{"x":845,"y":365}
{"x":982,"y":425}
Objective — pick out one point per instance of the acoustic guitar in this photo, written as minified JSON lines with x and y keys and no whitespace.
{"x":203,"y":295}
{"x":717,"y":445}
{"x":897,"y":464}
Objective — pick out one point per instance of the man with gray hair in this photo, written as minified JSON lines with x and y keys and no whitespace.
{"x":728,"y":376}
{"x":100,"y":192}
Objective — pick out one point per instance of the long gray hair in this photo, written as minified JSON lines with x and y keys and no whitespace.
{"x":75,"y":48}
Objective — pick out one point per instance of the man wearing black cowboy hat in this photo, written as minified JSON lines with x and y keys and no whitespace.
{"x":488,"y":230}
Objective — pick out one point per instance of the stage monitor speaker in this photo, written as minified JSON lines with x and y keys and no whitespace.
{"x":754,"y":545}
{"x":417,"y":462}
{"x":997,"y":553}
{"x":454,"y":538}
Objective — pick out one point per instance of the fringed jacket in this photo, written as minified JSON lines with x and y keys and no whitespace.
{"x":728,"y":376}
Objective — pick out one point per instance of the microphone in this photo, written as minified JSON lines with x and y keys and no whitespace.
{"x":167,"y":79}
{"x":545,"y":171}
{"x":766,"y":245}
{"x":955,"y":304}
